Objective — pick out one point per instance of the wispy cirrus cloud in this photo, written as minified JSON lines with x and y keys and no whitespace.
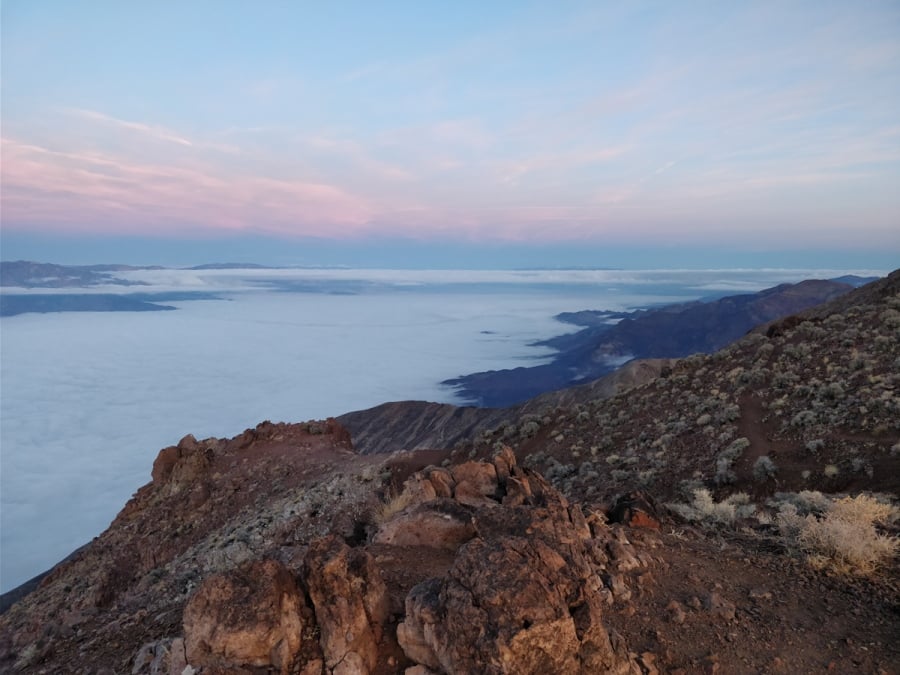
{"x":156,"y":132}
{"x":145,"y":131}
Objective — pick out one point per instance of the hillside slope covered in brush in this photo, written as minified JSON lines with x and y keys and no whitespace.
{"x":663,"y":332}
{"x":816,"y":394}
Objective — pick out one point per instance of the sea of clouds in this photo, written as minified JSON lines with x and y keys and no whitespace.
{"x":88,"y":399}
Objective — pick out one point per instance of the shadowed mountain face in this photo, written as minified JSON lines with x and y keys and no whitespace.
{"x":667,"y":332}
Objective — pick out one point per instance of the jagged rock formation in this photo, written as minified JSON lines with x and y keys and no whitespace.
{"x":526,"y":595}
{"x":255,"y":616}
{"x":521,"y":588}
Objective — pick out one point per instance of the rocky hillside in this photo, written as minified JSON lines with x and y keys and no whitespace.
{"x":664,"y":332}
{"x":809,"y":402}
{"x":734,"y":514}
{"x":416,"y":425}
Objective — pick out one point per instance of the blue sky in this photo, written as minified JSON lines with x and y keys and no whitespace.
{"x":761,"y":129}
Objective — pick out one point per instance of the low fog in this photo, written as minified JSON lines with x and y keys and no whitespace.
{"x":88,"y":399}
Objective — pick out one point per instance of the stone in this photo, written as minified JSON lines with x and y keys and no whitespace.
{"x":415,"y":632}
{"x":441,"y":523}
{"x":718,"y":606}
{"x":518,"y":491}
{"x":467,"y":492}
{"x":511,"y":605}
{"x":623,"y":556}
{"x":616,"y":584}
{"x":419,"y":670}
{"x":635,"y":509}
{"x":676,"y":612}
{"x":253,"y":616}
{"x":350,"y":602}
{"x":760,"y":594}
{"x":504,"y":461}
{"x":442,"y":481}
{"x":481,"y":476}
{"x":647,"y":661}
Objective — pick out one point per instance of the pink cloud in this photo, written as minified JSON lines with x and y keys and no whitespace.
{"x":43,"y":187}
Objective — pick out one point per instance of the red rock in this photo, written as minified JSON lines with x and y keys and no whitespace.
{"x":351,"y":604}
{"x":635,"y":509}
{"x":480,"y":475}
{"x":252,"y":617}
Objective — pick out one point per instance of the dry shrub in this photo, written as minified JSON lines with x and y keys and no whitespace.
{"x":705,"y":510}
{"x":845,"y":537}
{"x":394,"y":505}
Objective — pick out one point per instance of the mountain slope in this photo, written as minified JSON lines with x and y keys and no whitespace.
{"x":667,"y":332}
{"x":815,"y":393}
{"x":418,"y":425}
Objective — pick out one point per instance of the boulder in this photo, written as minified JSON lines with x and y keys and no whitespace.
{"x":350,"y":602}
{"x":635,"y":509}
{"x":254,"y":616}
{"x":442,"y":482}
{"x":523,"y":596}
{"x":481,"y":477}
{"x":442,"y":524}
{"x":511,"y":605}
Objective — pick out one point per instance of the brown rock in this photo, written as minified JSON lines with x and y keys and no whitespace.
{"x":513,"y":605}
{"x":419,"y":670}
{"x":518,"y":491}
{"x":635,"y":509}
{"x":481,"y":476}
{"x":253,"y":616}
{"x":623,"y":555}
{"x":442,"y":524}
{"x":504,"y":461}
{"x":422,"y":613}
{"x":351,"y":604}
{"x":442,"y":481}
{"x":676,"y":612}
{"x":418,"y":489}
{"x":719,"y":606}
{"x":470,"y":494}
{"x":523,"y":597}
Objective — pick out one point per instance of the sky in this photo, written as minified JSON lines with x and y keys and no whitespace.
{"x":452,"y":134}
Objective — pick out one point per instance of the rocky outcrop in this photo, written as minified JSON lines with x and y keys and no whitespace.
{"x":511,"y":605}
{"x":525,"y":595}
{"x":254,"y":616}
{"x":351,"y":605}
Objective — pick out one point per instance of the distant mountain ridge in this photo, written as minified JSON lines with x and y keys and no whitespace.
{"x":29,"y":274}
{"x":671,"y":331}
